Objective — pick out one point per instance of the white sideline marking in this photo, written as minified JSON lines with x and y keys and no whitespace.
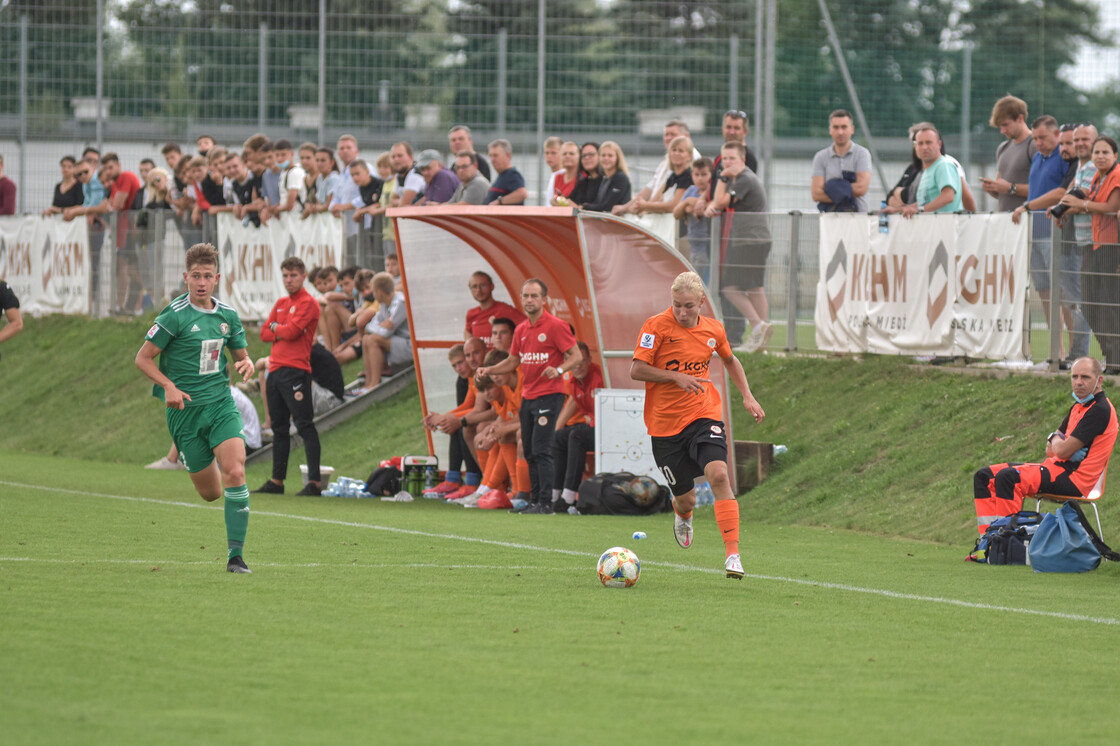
{"x":570,"y":552}
{"x":211,"y":563}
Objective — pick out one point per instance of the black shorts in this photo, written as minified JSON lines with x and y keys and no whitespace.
{"x":682,"y":457}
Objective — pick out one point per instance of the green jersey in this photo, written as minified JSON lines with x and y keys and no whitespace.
{"x":191,"y":340}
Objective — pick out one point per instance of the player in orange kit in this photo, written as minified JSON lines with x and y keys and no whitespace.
{"x":683,"y":411}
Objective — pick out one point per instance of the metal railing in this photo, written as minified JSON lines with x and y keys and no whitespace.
{"x":142,"y":269}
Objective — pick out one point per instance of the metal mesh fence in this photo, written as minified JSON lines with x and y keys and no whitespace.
{"x":385,"y":65}
{"x":151,"y":244}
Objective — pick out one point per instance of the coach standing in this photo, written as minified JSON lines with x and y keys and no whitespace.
{"x":291,"y":330}
{"x":545,"y":349}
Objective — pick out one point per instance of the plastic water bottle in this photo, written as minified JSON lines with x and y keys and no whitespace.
{"x":704,"y":494}
{"x":884,"y":219}
{"x":429,"y":478}
{"x":780,"y":449}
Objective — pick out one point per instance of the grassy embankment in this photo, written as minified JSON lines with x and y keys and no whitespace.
{"x":875,"y":445}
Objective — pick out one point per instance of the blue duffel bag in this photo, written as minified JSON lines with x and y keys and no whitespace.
{"x":1066,"y":542}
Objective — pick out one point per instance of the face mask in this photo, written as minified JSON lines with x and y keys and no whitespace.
{"x":284,"y":164}
{"x":1088,"y":398}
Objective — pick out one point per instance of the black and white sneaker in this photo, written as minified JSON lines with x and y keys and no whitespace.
{"x":237,"y":564}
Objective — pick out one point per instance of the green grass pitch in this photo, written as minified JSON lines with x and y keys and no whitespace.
{"x":374,"y":622}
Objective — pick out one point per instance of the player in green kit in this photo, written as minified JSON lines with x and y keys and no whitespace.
{"x":191,"y":378}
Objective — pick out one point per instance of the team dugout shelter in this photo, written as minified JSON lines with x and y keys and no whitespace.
{"x":605,"y":277}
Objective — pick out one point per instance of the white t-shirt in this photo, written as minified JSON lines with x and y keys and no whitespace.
{"x":250,"y":422}
{"x":550,"y":189}
{"x":294,"y":178}
{"x":412,"y":181}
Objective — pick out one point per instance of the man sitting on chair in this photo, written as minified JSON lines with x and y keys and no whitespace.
{"x":1076,"y":453}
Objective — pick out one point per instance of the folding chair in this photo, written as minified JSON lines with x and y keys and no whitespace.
{"x":1090,"y":499}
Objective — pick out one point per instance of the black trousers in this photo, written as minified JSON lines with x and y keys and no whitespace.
{"x":459,"y":453}
{"x":569,"y":451}
{"x":538,"y":427}
{"x":289,"y":398}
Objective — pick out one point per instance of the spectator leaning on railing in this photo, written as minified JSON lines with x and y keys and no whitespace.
{"x":1101,"y":292}
{"x":939,"y":185}
{"x":68,"y":192}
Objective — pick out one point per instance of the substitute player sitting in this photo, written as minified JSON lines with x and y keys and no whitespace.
{"x":682,"y":410}
{"x":191,"y":378}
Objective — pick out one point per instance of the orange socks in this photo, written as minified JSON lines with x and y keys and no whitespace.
{"x":727,"y":516}
{"x":523,"y":481}
{"x":496,"y":473}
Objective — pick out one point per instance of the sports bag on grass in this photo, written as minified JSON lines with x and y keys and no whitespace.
{"x":1005,"y":541}
{"x":1066,"y":542}
{"x":622,"y":493}
{"x":385,"y":480}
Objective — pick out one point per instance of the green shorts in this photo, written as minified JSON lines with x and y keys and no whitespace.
{"x":198,"y":430}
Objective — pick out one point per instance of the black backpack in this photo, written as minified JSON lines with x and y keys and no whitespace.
{"x":623,"y":493}
{"x":385,"y":480}
{"x":1006,"y":539}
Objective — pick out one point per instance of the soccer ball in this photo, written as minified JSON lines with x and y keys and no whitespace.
{"x":619,"y":568}
{"x":643,"y":490}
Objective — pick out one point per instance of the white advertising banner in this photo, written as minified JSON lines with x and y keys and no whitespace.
{"x":932,"y":285}
{"x":251,"y":256}
{"x":46,"y":262}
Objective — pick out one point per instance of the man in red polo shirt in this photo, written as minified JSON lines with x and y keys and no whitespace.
{"x":291,"y":329}
{"x":480,"y":318}
{"x":545,"y":349}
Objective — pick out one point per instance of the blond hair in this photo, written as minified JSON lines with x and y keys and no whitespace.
{"x":384,"y":282}
{"x":688,"y":282}
{"x":612,"y":145}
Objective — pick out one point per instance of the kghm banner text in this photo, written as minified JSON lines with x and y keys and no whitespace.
{"x":931,"y":285}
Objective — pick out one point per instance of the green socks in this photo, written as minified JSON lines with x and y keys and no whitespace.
{"x":237,"y":518}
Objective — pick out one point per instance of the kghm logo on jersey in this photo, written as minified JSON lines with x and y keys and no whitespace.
{"x":534,"y":358}
{"x":700,"y":366}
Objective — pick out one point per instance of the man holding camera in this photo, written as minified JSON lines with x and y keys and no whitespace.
{"x":1082,"y":241}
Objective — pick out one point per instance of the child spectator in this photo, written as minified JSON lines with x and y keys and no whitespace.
{"x":341,"y":302}
{"x":691,"y":210}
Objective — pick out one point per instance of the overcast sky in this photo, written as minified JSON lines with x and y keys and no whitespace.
{"x":1094,"y":65}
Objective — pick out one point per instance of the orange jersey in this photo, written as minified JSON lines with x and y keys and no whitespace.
{"x":468,"y":402}
{"x":666,"y":345}
{"x":510,"y":408}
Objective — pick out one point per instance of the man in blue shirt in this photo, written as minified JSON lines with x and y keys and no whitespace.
{"x":509,"y":186}
{"x":1048,"y":171}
